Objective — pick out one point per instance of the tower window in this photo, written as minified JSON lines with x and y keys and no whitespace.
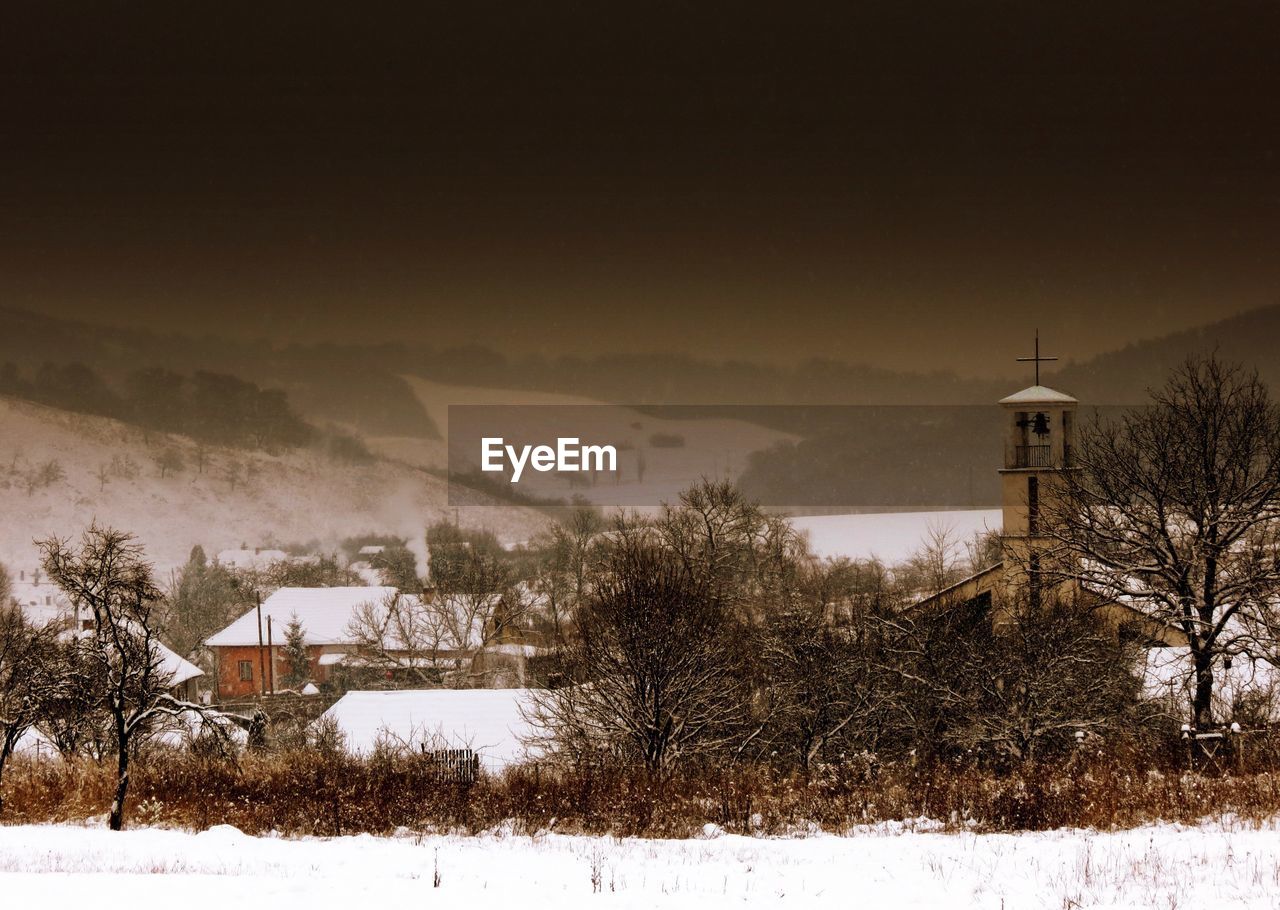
{"x":1034,"y":581}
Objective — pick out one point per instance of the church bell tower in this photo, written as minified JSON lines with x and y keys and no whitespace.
{"x":1039,"y":432}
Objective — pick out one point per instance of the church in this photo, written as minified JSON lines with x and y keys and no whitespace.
{"x":1039,"y":427}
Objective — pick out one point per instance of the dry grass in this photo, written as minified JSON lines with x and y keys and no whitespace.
{"x":306,"y":792}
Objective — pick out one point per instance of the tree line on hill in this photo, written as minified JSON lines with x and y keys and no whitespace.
{"x":211,"y":407}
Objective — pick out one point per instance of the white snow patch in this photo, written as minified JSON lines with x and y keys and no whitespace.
{"x":891,"y":537}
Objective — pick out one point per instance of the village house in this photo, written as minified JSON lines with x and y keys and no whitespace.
{"x":250,"y":651}
{"x":251,"y":655}
{"x":42,"y":601}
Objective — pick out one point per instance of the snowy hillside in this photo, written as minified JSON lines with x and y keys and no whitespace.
{"x":59,"y":470}
{"x":647,"y":474}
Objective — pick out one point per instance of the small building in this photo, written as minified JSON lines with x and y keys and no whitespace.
{"x":491,"y":723}
{"x":41,"y":600}
{"x":182,"y":673}
{"x":485,"y":642}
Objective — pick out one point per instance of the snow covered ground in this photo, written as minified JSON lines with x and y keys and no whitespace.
{"x":893,"y":537}
{"x":1164,"y":866}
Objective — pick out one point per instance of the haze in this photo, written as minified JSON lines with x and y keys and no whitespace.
{"x":910,"y":185}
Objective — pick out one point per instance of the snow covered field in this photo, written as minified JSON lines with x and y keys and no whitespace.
{"x":1163,"y":866}
{"x":893,"y":537}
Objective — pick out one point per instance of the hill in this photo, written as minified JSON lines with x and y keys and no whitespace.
{"x":365,"y":387}
{"x":358,"y":387}
{"x":1123,"y":376}
{"x":59,"y":470}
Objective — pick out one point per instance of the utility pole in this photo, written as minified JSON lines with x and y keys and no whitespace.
{"x":271,"y":658}
{"x":262,"y":659}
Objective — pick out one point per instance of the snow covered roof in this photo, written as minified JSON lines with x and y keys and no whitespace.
{"x":175,"y":667}
{"x":1038,"y":394}
{"x":185,"y":727}
{"x":250,"y":559}
{"x":324,"y":613}
{"x":179,"y":669}
{"x":891,"y":537}
{"x":488,"y":721}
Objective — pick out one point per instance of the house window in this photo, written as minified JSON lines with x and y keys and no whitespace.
{"x":246,"y":671}
{"x":1033,"y":504}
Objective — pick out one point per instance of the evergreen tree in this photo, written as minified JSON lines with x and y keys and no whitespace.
{"x":295,"y":654}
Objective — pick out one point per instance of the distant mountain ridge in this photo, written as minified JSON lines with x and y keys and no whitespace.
{"x":880,"y":458}
{"x":361,"y":385}
{"x":1124,"y":375}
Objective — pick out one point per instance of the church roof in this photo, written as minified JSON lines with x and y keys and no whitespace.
{"x":1038,"y":394}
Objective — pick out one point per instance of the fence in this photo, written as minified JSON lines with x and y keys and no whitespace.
{"x":460,"y":766}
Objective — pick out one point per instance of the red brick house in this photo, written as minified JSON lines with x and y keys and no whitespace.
{"x":246,"y":668}
{"x":487,"y":643}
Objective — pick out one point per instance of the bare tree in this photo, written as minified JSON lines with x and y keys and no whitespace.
{"x":46,"y":474}
{"x":402,"y":632}
{"x":1018,"y":688}
{"x":1175,"y":510}
{"x":563,"y":568}
{"x":940,"y":561}
{"x":746,"y":558}
{"x":201,"y":457}
{"x":653,"y":682}
{"x":107,"y":577}
{"x":429,"y":636}
{"x":810,"y":683}
{"x":820,"y":679}
{"x":26,"y":680}
{"x":235,"y":475}
{"x":72,"y":716}
{"x":169,"y":461}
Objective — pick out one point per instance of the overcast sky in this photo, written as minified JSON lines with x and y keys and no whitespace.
{"x":908,"y":184}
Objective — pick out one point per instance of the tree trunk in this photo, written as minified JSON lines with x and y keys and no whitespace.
{"x":122,"y":787}
{"x":5,"y":749}
{"x":809,"y":752}
{"x":1202,"y":703}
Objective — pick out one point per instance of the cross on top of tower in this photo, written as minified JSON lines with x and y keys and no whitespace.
{"x":1037,"y":359}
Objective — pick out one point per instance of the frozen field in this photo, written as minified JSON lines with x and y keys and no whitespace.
{"x":1163,"y":866}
